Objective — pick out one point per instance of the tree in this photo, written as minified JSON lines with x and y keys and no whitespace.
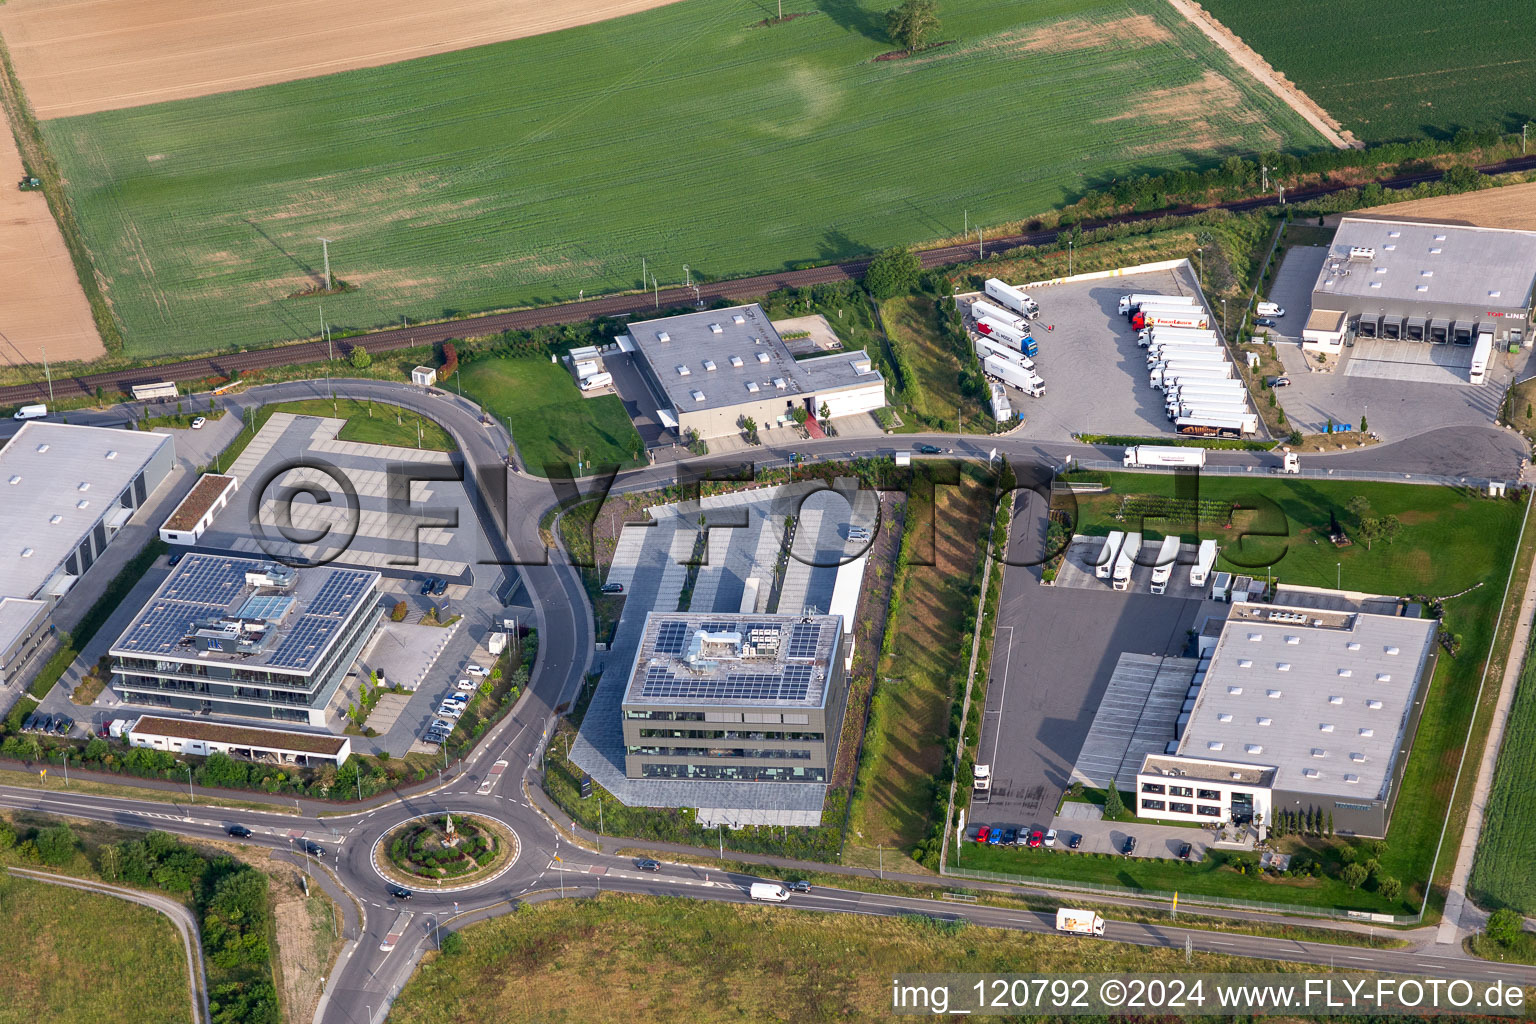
{"x":1504,"y":926}
{"x":826,"y":411}
{"x":56,"y":845}
{"x":1114,"y":809}
{"x":399,"y":612}
{"x":1380,"y":528}
{"x":1354,"y":875}
{"x":893,"y":272}
{"x":749,"y":428}
{"x":910,"y":22}
{"x":360,"y":358}
{"x":1390,"y":888}
{"x":1364,"y":425}
{"x":1360,"y":507}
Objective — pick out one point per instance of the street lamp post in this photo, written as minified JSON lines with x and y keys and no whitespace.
{"x":1338,"y":575}
{"x":1200,"y":253}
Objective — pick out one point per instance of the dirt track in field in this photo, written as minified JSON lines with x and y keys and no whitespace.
{"x":41,"y":303}
{"x":80,"y":56}
{"x":1512,"y":206}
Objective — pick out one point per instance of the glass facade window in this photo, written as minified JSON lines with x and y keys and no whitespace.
{"x":1151,"y":805}
{"x":1208,"y":810}
{"x":730,"y":773}
{"x":1152,"y":787}
{"x":1180,"y":791}
{"x":1181,"y":808}
{"x":1208,"y":794}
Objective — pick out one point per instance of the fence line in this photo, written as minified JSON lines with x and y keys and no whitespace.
{"x":1428,"y":479}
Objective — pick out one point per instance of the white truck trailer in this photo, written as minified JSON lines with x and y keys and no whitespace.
{"x":1188,"y":353}
{"x":1186,"y":394}
{"x":1104,"y":565}
{"x":1012,"y":297}
{"x":1480,"y":357}
{"x":1079,"y":922}
{"x":1162,"y":570}
{"x":1026,"y":381}
{"x":1205,"y":561}
{"x":1146,"y":455}
{"x":1147,"y":335}
{"x":1229,"y":427}
{"x":1176,"y":316}
{"x":1001,"y":332}
{"x":1173,"y":344}
{"x":1125,"y":561}
{"x":987,"y":347}
{"x":1206,"y":410}
{"x":1184,"y":373}
{"x":981,"y":308}
{"x":1135,"y":299}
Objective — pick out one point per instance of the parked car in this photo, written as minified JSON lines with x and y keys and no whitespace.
{"x":995,"y":837}
{"x":1010,"y":836}
{"x":441,"y":725}
{"x":426,"y":586}
{"x":928,"y":449}
{"x":466,"y":685}
{"x":43,"y":724}
{"x":439,"y":587}
{"x":981,"y":834}
{"x":1050,"y":837}
{"x":1184,"y":851}
{"x":30,"y":721}
{"x":62,"y":725}
{"x":476,"y":670}
{"x":174,"y":559}
{"x":457,"y":698}
{"x":1076,"y":841}
{"x":197,"y":424}
{"x":1035,"y":839}
{"x":613,"y":588}
{"x":646,"y":864}
{"x":799,"y":885}
{"x":1280,"y":382}
{"x":1265,"y":321}
{"x":239,"y":831}
{"x":450,"y":710}
{"x":400,"y":892}
{"x":1129,"y":847}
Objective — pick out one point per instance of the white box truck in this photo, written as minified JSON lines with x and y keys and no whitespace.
{"x":987,"y":347}
{"x":1136,"y":299}
{"x":1079,"y":922}
{"x":597,"y":380}
{"x":998,"y":331}
{"x":31,"y":412}
{"x":1205,"y":561}
{"x":1480,"y":357}
{"x":980,"y":308}
{"x":1012,"y":297}
{"x":1026,"y":381}
{"x":1162,"y":570}
{"x":1104,"y":565}
{"x":1125,"y":561}
{"x":1146,"y":455}
{"x":588,"y":368}
{"x":770,"y":891}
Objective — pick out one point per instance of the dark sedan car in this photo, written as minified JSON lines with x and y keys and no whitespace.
{"x":314,"y":849}
{"x":1265,"y":321}
{"x":646,"y":864}
{"x":238,"y":831}
{"x":400,"y":892}
{"x":799,"y":885}
{"x":1010,"y":836}
{"x":426,"y":586}
{"x":1130,"y":846}
{"x":1184,"y":851}
{"x":928,"y":449}
{"x":1076,"y":841}
{"x":439,"y":587}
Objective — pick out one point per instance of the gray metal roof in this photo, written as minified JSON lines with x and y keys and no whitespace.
{"x":1428,"y":264}
{"x":16,"y":617}
{"x":735,"y":356}
{"x":57,"y":481}
{"x":204,"y":587}
{"x":691,"y":659}
{"x":1320,"y":695}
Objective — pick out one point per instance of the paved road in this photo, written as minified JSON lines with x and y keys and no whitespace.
{"x":368,"y":977}
{"x":180,"y":916}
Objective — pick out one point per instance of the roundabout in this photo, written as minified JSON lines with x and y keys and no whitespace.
{"x":446,"y":852}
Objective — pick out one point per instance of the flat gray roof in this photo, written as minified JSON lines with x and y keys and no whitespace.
{"x":16,"y":617}
{"x":1199,"y":769}
{"x":727,"y":353}
{"x":691,"y":659}
{"x":65,"y":472}
{"x":1322,"y":696}
{"x":300,"y":620}
{"x":1428,"y":264}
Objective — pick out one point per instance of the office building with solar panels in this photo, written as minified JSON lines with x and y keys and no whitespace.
{"x":248,"y":638}
{"x":735,"y":698}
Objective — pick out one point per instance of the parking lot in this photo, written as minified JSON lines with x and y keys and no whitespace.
{"x":1095,"y":375}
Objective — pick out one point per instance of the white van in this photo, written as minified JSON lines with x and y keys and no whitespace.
{"x":1270,"y":309}
{"x":770,"y":891}
{"x":31,"y":412}
{"x":597,"y":380}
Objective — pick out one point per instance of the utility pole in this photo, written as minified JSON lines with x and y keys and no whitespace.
{"x":1071,"y":245}
{"x":49,"y":374}
{"x":980,"y":254}
{"x":657,"y":288}
{"x":687,"y":277}
{"x":325,"y":249}
{"x":967,"y":216}
{"x":1264,"y":178}
{"x":642,"y":271}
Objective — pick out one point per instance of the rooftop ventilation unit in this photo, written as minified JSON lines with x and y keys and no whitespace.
{"x":42,"y":448}
{"x":752,"y":386}
{"x":780,"y":383}
{"x":716,"y":329}
{"x":683,"y":371}
{"x":762,"y":357}
{"x":698,"y":396}
{"x":709,"y":366}
{"x":112,"y":454}
{"x":1362,"y":252}
{"x":663,"y":336}
{"x":737,"y":318}
{"x":736,"y":361}
{"x":271,"y":574}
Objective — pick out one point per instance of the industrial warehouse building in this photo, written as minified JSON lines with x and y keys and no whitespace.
{"x":712,"y":369}
{"x":735,"y":698}
{"x":247,"y":637}
{"x":68,"y":491}
{"x":1301,"y":709}
{"x":1423,"y":282}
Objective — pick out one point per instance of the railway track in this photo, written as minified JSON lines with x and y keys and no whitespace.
{"x":236,"y":364}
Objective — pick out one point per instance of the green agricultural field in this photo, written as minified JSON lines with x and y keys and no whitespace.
{"x":551,"y":421}
{"x":85,"y":957}
{"x":529,"y":170}
{"x":1399,"y":70}
{"x":1502,"y":874}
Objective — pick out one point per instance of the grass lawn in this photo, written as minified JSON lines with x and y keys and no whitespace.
{"x":1451,"y":541}
{"x":85,"y":958}
{"x":641,"y":959}
{"x":927,"y":641}
{"x":551,"y":421}
{"x":373,"y":422}
{"x":503,"y":175}
{"x":1431,"y":69}
{"x":910,"y":324}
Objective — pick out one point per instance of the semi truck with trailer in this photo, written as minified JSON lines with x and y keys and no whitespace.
{"x":1205,"y":561}
{"x":1148,"y":335}
{"x":1480,"y":357}
{"x":1290,"y":463}
{"x":1079,"y":922}
{"x":1184,"y":373}
{"x":1187,"y":353}
{"x":1147,"y":455}
{"x":1193,"y":394}
{"x":1125,"y":561}
{"x":1207,"y":410}
{"x":1131,"y":302}
{"x":1162,"y":569}
{"x":1234,"y":402}
{"x":987,"y":347}
{"x":1185,"y":316}
{"x":1229,"y":428}
{"x":999,"y":331}
{"x":1187,"y":344}
{"x":981,"y":308}
{"x":1104,"y":565}
{"x":1026,"y":381}
{"x":1012,"y":297}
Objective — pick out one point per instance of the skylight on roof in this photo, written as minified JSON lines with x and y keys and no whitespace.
{"x":709,"y":365}
{"x":1335,"y":699}
{"x":1421,"y":287}
{"x":1254,"y":748}
{"x":762,"y":357}
{"x":1374,"y":705}
{"x":1292,"y":639}
{"x":716,"y":329}
{"x":663,"y":336}
{"x":1264,"y":720}
{"x":1235,"y":691}
{"x":682,"y":370}
{"x":1367,"y":733}
{"x":1389,"y":649}
{"x":698,"y":396}
{"x":1255,"y":637}
{"x":1383,"y":677}
{"x":1273,"y":694}
{"x":752,"y":386}
{"x":1214,"y":745}
{"x":1224,"y":716}
{"x":1319,"y":752}
{"x":1346,"y":672}
{"x":736,"y":361}
{"x":1310,"y":773}
{"x":1351,"y":778}
{"x":1353,"y":645}
{"x":737,"y":318}
{"x":1357,"y":757}
{"x":1245,"y":663}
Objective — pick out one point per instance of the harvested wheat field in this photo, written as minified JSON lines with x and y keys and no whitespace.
{"x":1511,"y":206}
{"x":81,"y":56}
{"x":41,"y":305}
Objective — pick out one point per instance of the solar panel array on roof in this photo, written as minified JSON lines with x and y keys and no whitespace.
{"x":661,"y":682}
{"x":802,"y":640}
{"x":671,"y":638}
{"x":338,"y":593}
{"x":305,"y":639}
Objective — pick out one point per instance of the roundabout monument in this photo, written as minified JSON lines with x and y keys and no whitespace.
{"x":446,"y":852}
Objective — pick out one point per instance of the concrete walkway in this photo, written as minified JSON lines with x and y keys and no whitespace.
{"x":1462,"y":916}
